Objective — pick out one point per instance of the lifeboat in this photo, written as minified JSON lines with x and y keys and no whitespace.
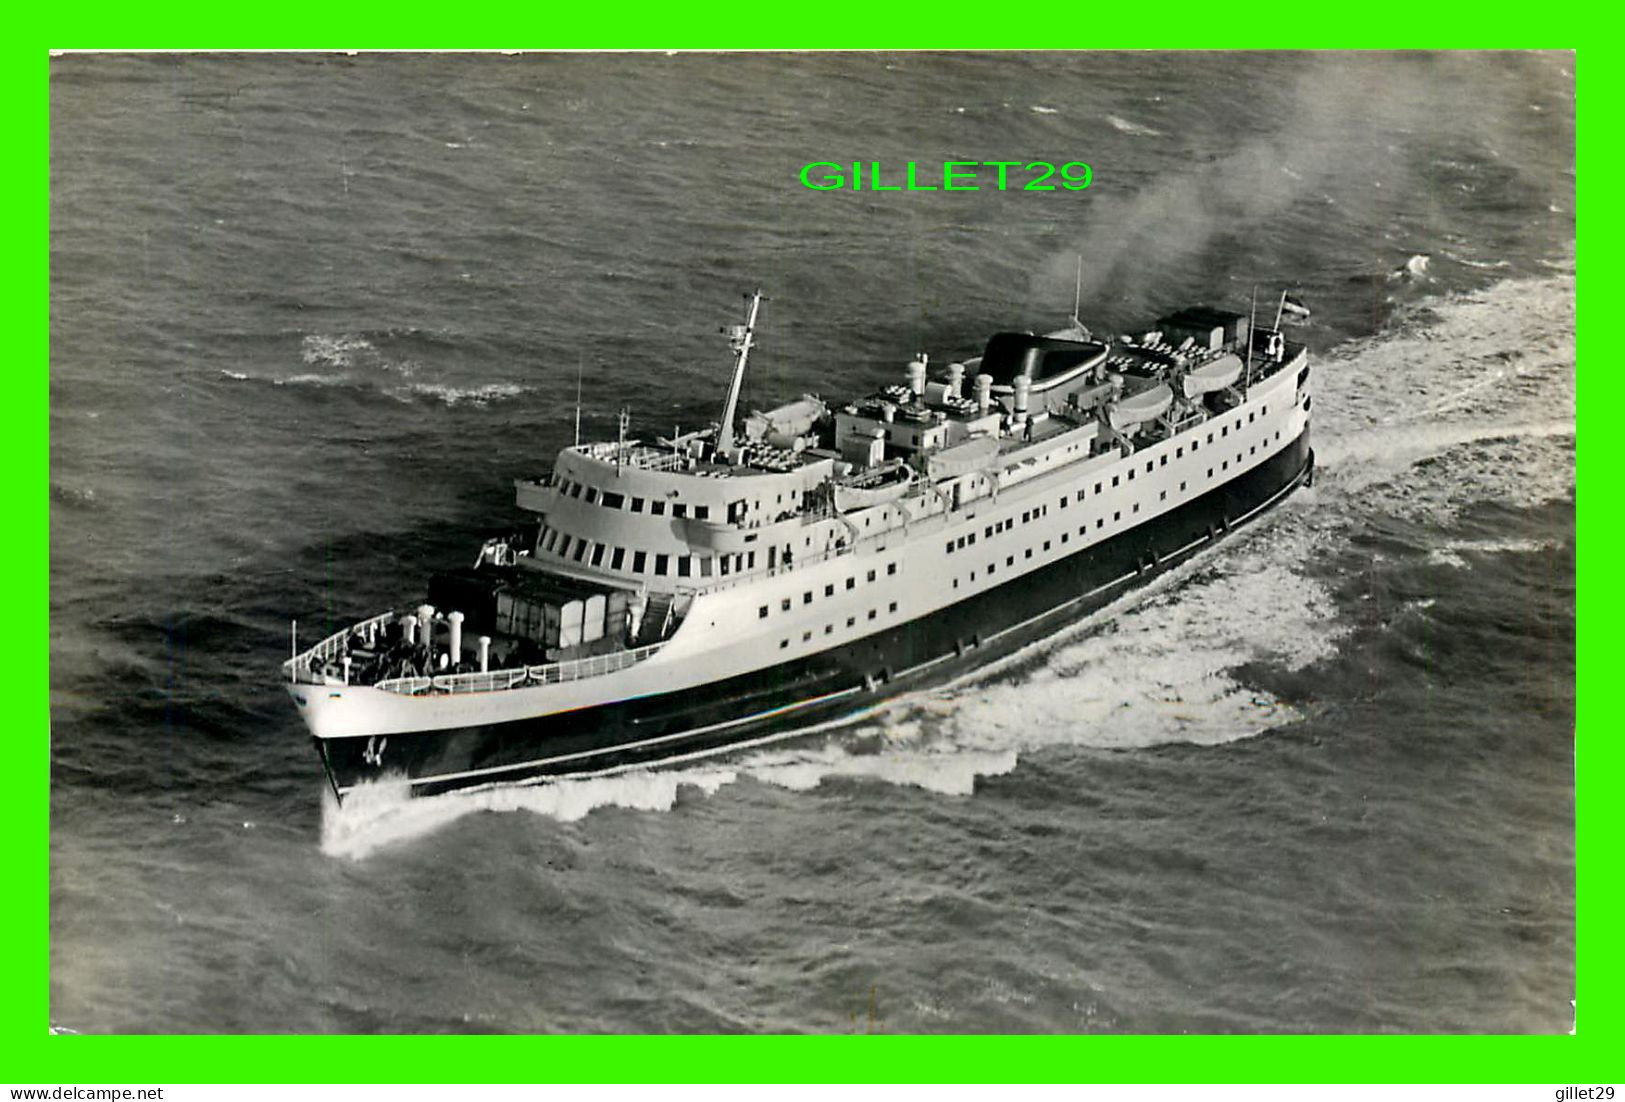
{"x":877,"y":487}
{"x":972,"y":455}
{"x":1143,"y":406}
{"x":1213,"y":375}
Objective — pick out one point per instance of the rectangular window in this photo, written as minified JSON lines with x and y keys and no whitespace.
{"x":657,"y":508}
{"x":1164,"y":496}
{"x":1195,"y":444}
{"x":1046,"y":544}
{"x":851,"y":621}
{"x":705,"y":567}
{"x":988,"y":531}
{"x":1117,"y":516}
{"x":1131,"y":474}
{"x":726,"y":561}
{"x":613,"y":501}
{"x":871,"y":575}
{"x":806,"y":598}
{"x":702,"y":512}
{"x":1164,"y":461}
{"x":750,"y":560}
{"x":851,"y":583}
{"x":1181,"y":487}
{"x":618,"y":559}
{"x":1063,"y":537}
{"x":892,"y":607}
{"x":1224,"y":431}
{"x":1009,"y":560}
{"x":971,"y":539}
{"x":592,"y":494}
{"x":783,"y":643}
{"x":1148,"y":466}
{"x":1179,"y":453}
{"x":1097,"y":487}
{"x":1063,"y":502}
{"x":598,"y":555}
{"x":1029,"y":553}
{"x":1210,"y":438}
{"x":891,"y":568}
{"x":761,"y":613}
{"x":784,"y":605}
{"x":872,"y":614}
{"x":637,"y":505}
{"x":806,"y":637}
{"x":683,"y":566}
{"x":949,"y":549}
{"x":679,"y":509}
{"x":640,"y":559}
{"x":552,"y":538}
{"x":1100,"y":522}
{"x":662,"y":563}
{"x":581,"y":550}
{"x":829,"y":629}
{"x":829,"y":590}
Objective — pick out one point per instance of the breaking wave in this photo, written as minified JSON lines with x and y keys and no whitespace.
{"x":1137,"y":129}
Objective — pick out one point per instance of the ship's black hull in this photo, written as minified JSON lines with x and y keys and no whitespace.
{"x":822,"y":687}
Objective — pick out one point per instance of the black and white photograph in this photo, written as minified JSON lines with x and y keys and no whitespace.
{"x":682,"y":542}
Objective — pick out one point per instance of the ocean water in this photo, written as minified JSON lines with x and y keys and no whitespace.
{"x":312,"y":314}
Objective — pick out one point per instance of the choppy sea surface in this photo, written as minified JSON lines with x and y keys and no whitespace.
{"x":312,"y":314}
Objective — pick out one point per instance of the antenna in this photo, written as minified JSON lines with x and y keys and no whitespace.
{"x":578,"y":399}
{"x":739,"y":337}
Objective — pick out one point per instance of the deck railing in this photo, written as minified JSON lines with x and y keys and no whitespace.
{"x":551,"y":673}
{"x":330,"y":649}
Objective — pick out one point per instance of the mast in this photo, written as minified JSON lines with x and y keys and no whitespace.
{"x":1251,"y":315}
{"x":739,"y":338}
{"x":1077,"y":294}
{"x":578,"y":399}
{"x":1279,"y":310}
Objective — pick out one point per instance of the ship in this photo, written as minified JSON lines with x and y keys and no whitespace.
{"x":668,"y":599}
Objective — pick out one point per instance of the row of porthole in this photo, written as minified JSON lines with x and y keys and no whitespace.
{"x":829,"y":629}
{"x":788,"y":603}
